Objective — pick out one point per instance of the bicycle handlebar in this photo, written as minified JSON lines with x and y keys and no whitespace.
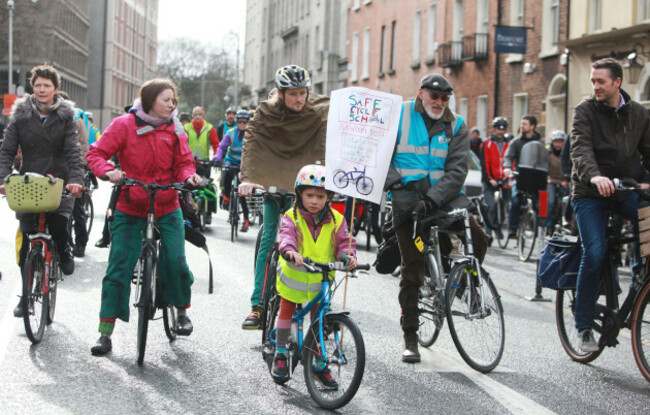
{"x":273,"y":191}
{"x":631,"y":185}
{"x":314,"y":266}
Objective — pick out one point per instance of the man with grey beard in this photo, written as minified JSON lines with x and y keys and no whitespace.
{"x":427,"y":172}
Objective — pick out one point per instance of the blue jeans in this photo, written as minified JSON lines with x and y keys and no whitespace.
{"x":271,"y":212}
{"x":515,"y":205}
{"x":591,"y":216}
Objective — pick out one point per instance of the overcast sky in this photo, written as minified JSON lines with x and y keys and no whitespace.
{"x":205,"y":20}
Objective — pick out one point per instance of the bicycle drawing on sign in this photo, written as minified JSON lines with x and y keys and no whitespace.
{"x":363,"y":183}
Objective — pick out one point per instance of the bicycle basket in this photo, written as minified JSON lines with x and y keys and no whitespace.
{"x":33,"y":193}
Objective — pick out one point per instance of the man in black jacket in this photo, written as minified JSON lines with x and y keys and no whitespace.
{"x":608,"y":129}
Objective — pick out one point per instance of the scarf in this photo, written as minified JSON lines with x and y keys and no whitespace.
{"x":39,"y":107}
{"x":149,"y":119}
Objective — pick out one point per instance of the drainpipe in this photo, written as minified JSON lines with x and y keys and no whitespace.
{"x":496,"y":68}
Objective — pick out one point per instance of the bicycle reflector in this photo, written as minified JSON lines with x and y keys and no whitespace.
{"x":419,"y":244}
{"x":33,"y":193}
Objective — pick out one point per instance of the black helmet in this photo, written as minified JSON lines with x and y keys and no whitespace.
{"x":292,"y":77}
{"x":230,"y":110}
{"x":243,"y":114}
{"x":185,"y":117}
{"x":500,"y":122}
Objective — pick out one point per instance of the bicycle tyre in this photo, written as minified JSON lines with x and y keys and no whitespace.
{"x":527,"y":234}
{"x":564,"y":306}
{"x":258,"y":242}
{"x":35,"y":304}
{"x":340,"y":179}
{"x":170,"y":321}
{"x":144,"y":304}
{"x":502,"y":222}
{"x":268,"y":290}
{"x":368,"y":227}
{"x":200,"y":210}
{"x":431,"y":306}
{"x":89,"y":210}
{"x":53,"y":282}
{"x":479,"y":339}
{"x":234,"y":214}
{"x":365,"y":185}
{"x":345,"y":353}
{"x":640,"y":326}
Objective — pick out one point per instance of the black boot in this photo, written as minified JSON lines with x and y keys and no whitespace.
{"x":103,"y":346}
{"x":411,"y":353}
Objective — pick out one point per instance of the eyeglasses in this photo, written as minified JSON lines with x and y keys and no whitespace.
{"x":242,"y":121}
{"x":501,"y":127}
{"x":435,"y":97}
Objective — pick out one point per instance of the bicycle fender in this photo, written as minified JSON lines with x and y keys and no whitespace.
{"x":337,"y":313}
{"x":464,"y":260}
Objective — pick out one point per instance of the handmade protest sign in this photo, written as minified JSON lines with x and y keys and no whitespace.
{"x":361,"y":131}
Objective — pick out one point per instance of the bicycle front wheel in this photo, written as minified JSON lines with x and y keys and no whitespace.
{"x":342,"y":356}
{"x":89,"y":211}
{"x":200,"y":207}
{"x":234,"y":215}
{"x":565,"y":319}
{"x":53,"y":282}
{"x":35,"y":304}
{"x":475,"y":317}
{"x":431,"y":306}
{"x":527,"y":234}
{"x":641,"y":331}
{"x":145,"y":304}
{"x":502,"y":222}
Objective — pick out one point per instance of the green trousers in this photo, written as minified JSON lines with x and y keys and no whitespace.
{"x":126,"y":239}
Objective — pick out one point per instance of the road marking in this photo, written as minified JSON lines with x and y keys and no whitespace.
{"x":439,"y":360}
{"x":8,"y":322}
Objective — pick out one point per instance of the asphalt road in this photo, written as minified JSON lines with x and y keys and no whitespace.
{"x":219,"y":369}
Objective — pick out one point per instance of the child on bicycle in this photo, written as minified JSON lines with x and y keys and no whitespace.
{"x":310,"y":229}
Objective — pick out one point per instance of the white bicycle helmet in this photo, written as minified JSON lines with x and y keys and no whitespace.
{"x":311,"y":175}
{"x":292,"y":77}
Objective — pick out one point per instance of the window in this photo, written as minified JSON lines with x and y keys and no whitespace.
{"x":458,"y":31}
{"x":356,"y":5}
{"x":644,"y":11}
{"x":393,"y":45}
{"x":519,"y":109}
{"x":431,"y":34}
{"x":595,"y":18}
{"x":354,"y":75}
{"x":516,"y":12}
{"x":382,"y":52}
{"x":482,"y":114}
{"x":550,"y":27}
{"x":483,"y":16}
{"x":365,"y":70}
{"x":463,"y":111}
{"x":417,"y":29}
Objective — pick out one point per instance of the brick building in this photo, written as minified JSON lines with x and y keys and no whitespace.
{"x":393,"y":44}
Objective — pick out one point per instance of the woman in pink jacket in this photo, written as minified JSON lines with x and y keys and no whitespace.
{"x":151,"y":146}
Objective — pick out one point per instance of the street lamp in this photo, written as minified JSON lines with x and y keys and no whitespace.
{"x":10,"y":6}
{"x":236,"y":95}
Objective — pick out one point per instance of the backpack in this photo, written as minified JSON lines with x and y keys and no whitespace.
{"x":388,"y":255}
{"x":559,"y":263}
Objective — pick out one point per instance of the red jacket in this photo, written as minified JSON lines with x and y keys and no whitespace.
{"x":151,"y":155}
{"x":494,"y":159}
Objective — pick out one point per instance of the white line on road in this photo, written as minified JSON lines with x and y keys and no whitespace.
{"x":8,"y":322}
{"x":439,"y":360}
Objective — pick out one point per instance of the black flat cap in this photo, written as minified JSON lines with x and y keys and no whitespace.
{"x":437,"y":83}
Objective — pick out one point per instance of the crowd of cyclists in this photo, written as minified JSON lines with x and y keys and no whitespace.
{"x":278,"y":146}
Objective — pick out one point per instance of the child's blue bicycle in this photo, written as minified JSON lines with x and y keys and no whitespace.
{"x":333,"y":340}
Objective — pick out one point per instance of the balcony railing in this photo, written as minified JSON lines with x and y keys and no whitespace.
{"x":475,"y":47}
{"x":450,"y":54}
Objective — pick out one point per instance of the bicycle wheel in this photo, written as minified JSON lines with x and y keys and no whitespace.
{"x":341,"y":179}
{"x":641,"y":331}
{"x":431,"y":305}
{"x":564,"y":318}
{"x":53,"y":282}
{"x":35,"y":304}
{"x":89,"y":211}
{"x":368,"y":227}
{"x":200,"y":211}
{"x":234,"y":214}
{"x":502,"y":222}
{"x":345,"y":354}
{"x":267,"y":322}
{"x":364,"y":185}
{"x":170,"y":321}
{"x":145,"y":303}
{"x":527,"y":233}
{"x":475,"y":317}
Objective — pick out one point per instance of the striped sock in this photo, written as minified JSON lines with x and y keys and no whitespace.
{"x":106,"y":326}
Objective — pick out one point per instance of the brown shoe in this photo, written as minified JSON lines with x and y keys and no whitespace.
{"x":252,"y":322}
{"x":411,"y":353}
{"x":79,"y":251}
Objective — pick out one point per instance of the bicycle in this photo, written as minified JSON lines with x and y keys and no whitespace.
{"x":528,"y":225}
{"x":332,"y":338}
{"x":148,"y":285}
{"x":205,"y":196}
{"x":363,"y":183}
{"x":610,"y":317}
{"x":558,"y":214}
{"x":468,"y":298}
{"x":502,"y":204}
{"x":34,"y":193}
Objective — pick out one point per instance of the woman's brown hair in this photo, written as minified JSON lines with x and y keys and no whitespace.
{"x":150,"y":90}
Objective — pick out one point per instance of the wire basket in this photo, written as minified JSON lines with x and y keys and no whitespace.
{"x":33,"y":193}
